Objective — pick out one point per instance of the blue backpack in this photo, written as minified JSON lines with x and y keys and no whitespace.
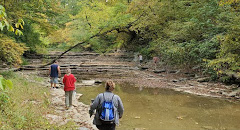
{"x":107,"y":110}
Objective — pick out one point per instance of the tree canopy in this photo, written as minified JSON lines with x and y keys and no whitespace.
{"x":185,"y":33}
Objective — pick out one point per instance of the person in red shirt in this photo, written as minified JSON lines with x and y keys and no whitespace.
{"x":69,"y":87}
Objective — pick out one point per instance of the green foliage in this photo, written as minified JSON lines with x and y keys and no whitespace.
{"x":186,"y":33}
{"x":39,"y":21}
{"x":24,"y":61}
{"x":183,"y":33}
{"x":184,"y":54}
{"x":8,"y":74}
{"x":4,"y":84}
{"x":101,"y":45}
{"x":96,"y":17}
{"x":25,"y":106}
{"x":31,"y":38}
{"x":4,"y":23}
{"x":10,"y":51}
{"x":227,"y":62}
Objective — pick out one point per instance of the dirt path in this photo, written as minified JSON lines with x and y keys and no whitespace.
{"x":78,"y":113}
{"x":120,"y":67}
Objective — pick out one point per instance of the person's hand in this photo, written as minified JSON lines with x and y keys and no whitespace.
{"x":90,"y":113}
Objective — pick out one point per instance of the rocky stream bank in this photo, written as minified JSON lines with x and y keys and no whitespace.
{"x":92,"y":68}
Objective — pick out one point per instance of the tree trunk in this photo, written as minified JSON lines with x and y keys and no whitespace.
{"x":96,"y":35}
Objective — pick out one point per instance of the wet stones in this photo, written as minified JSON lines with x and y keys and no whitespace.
{"x":98,"y":81}
{"x":205,"y":79}
{"x":174,"y":80}
{"x":143,"y":68}
{"x":189,"y":74}
{"x":173,"y":71}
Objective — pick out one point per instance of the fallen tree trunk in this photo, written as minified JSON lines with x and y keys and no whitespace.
{"x":96,"y":35}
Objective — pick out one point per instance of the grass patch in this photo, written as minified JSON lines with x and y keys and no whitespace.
{"x":8,"y":74}
{"x":37,"y":78}
{"x":24,"y":61}
{"x":26,"y":105}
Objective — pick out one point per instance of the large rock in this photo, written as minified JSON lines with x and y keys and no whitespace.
{"x":88,"y":82}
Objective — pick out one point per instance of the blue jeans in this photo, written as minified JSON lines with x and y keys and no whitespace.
{"x":54,"y":80}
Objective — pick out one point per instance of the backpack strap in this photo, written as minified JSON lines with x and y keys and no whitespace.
{"x":112,"y":97}
{"x":104,"y":97}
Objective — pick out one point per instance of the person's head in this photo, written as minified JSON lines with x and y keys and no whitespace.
{"x":109,"y":86}
{"x":55,"y":62}
{"x":68,"y":71}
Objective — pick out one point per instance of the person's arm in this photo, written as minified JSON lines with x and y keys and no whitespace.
{"x":95,"y":103}
{"x":120,"y":107}
{"x":64,"y":80}
{"x":74,"y":79}
{"x":59,"y":71}
{"x":49,"y":71}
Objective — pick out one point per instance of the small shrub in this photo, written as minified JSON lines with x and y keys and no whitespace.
{"x":10,"y":51}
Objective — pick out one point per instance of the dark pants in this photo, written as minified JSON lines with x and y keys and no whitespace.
{"x":106,"y":127}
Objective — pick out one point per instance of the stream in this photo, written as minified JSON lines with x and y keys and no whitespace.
{"x":153,"y":108}
{"x":158,"y":109}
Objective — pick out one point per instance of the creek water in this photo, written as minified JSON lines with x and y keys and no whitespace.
{"x":164,"y":109}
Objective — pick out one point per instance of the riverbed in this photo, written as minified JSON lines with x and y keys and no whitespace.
{"x":158,"y":109}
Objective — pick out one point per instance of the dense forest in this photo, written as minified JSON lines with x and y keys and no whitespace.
{"x":202,"y":34}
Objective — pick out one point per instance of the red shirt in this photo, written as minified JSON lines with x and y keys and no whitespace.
{"x":68,"y":81}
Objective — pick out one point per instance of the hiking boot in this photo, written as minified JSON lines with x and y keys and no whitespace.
{"x":66,"y":108}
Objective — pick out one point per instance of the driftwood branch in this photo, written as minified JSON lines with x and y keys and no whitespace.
{"x":96,"y":35}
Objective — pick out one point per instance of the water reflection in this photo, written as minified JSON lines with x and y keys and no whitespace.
{"x":164,"y":109}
